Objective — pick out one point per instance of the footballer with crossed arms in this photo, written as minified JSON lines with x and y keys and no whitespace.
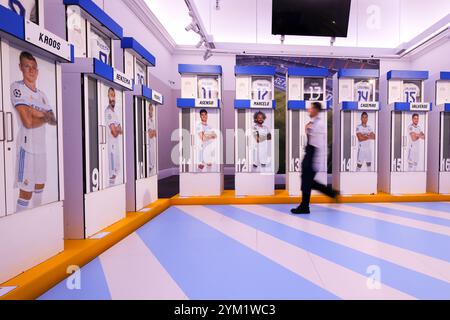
{"x":35,"y":116}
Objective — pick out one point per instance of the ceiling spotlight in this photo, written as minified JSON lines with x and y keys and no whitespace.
{"x":208,"y":54}
{"x":193,"y":26}
{"x":200,"y":43}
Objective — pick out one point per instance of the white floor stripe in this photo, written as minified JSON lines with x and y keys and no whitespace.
{"x":373,"y":214}
{"x":416,"y":210}
{"x":133,"y":273}
{"x":430,"y":266}
{"x":341,"y":281}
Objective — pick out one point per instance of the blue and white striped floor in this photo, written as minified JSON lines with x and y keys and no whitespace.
{"x":341,"y":251}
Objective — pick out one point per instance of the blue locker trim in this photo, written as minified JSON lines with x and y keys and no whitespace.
{"x":190,"y":103}
{"x":131,"y":43}
{"x":242,"y":104}
{"x":103,"y":70}
{"x":12,"y":23}
{"x":147,"y":92}
{"x":445,"y":75}
{"x":359,"y":73}
{"x":255,"y":70}
{"x":308,"y":72}
{"x":72,"y":53}
{"x":349,"y":105}
{"x":329,"y":104}
{"x":406,"y":106}
{"x":296,"y":105}
{"x":407,"y":75}
{"x":199,"y":69}
{"x":98,"y":14}
{"x":447,"y":107}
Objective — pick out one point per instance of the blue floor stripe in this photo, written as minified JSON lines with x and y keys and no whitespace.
{"x":441,"y":206}
{"x":428,"y":243}
{"x":93,"y":286}
{"x":403,"y":279}
{"x":402,"y":213}
{"x":209,"y":265}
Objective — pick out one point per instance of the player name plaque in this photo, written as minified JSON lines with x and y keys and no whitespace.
{"x":157,"y":97}
{"x":46,"y":40}
{"x":368,"y":106}
{"x":261,"y":104}
{"x":420,"y":106}
{"x":210,"y":103}
{"x":121,"y":79}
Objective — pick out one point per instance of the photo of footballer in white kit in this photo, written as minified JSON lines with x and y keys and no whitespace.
{"x":366,"y":136}
{"x":262,"y":141}
{"x":33,"y":97}
{"x":207,"y":138}
{"x":114,"y":136}
{"x":25,"y":8}
{"x":416,"y":143}
{"x":152,"y":143}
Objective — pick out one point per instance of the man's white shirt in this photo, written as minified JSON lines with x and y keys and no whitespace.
{"x":365,"y":147}
{"x":414,"y":146}
{"x":31,"y":140}
{"x":262,"y":148}
{"x":317,"y":139}
{"x":112,"y":119}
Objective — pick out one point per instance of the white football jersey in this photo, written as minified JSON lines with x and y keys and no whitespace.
{"x":262,"y":90}
{"x":76,"y":28}
{"x":99,"y":48}
{"x":112,"y":119}
{"x":141,"y":74}
{"x":31,"y":140}
{"x":363,"y":91}
{"x":414,"y":129}
{"x":364,"y":130}
{"x":205,"y":128}
{"x":25,"y":8}
{"x":208,"y":88}
{"x":411,"y":92}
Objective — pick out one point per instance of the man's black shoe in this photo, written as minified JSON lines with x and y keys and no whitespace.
{"x":300,"y":210}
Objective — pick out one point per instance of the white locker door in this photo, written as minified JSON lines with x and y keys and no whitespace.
{"x":151,"y":134}
{"x":2,"y":144}
{"x":95,"y":136}
{"x":355,"y":119}
{"x":241,"y":141}
{"x":296,"y":148}
{"x":195,"y":142}
{"x":445,"y":142}
{"x":414,"y":151}
{"x":398,"y":142}
{"x":139,"y":141}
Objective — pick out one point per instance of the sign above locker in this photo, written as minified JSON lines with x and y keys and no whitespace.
{"x":103,"y":72}
{"x":413,"y":106}
{"x":16,"y":27}
{"x":138,"y":51}
{"x":152,"y":95}
{"x":96,"y":16}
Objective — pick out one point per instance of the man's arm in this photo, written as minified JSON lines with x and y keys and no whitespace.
{"x":116,"y":130}
{"x":30,"y":117}
{"x":362,"y":137}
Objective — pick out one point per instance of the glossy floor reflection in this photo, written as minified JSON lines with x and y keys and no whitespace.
{"x":340,"y":251}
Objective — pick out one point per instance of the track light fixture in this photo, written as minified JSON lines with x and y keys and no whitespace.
{"x":200,"y":43}
{"x":208,"y":54}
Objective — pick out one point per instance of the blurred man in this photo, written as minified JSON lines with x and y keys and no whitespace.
{"x":262,"y":136}
{"x":365,"y":135}
{"x":207,"y":136}
{"x":35,"y":114}
{"x":415,"y":134}
{"x":114,"y":133}
{"x":315,"y":131}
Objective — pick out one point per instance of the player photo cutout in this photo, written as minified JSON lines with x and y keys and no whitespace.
{"x":416,"y":138}
{"x":206,"y":143}
{"x":36,"y":122}
{"x":366,"y":137}
{"x":262,"y":138}
{"x":25,"y":8}
{"x":115,"y":133}
{"x":152,"y":135}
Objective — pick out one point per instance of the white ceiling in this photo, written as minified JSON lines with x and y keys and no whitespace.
{"x":373,"y":23}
